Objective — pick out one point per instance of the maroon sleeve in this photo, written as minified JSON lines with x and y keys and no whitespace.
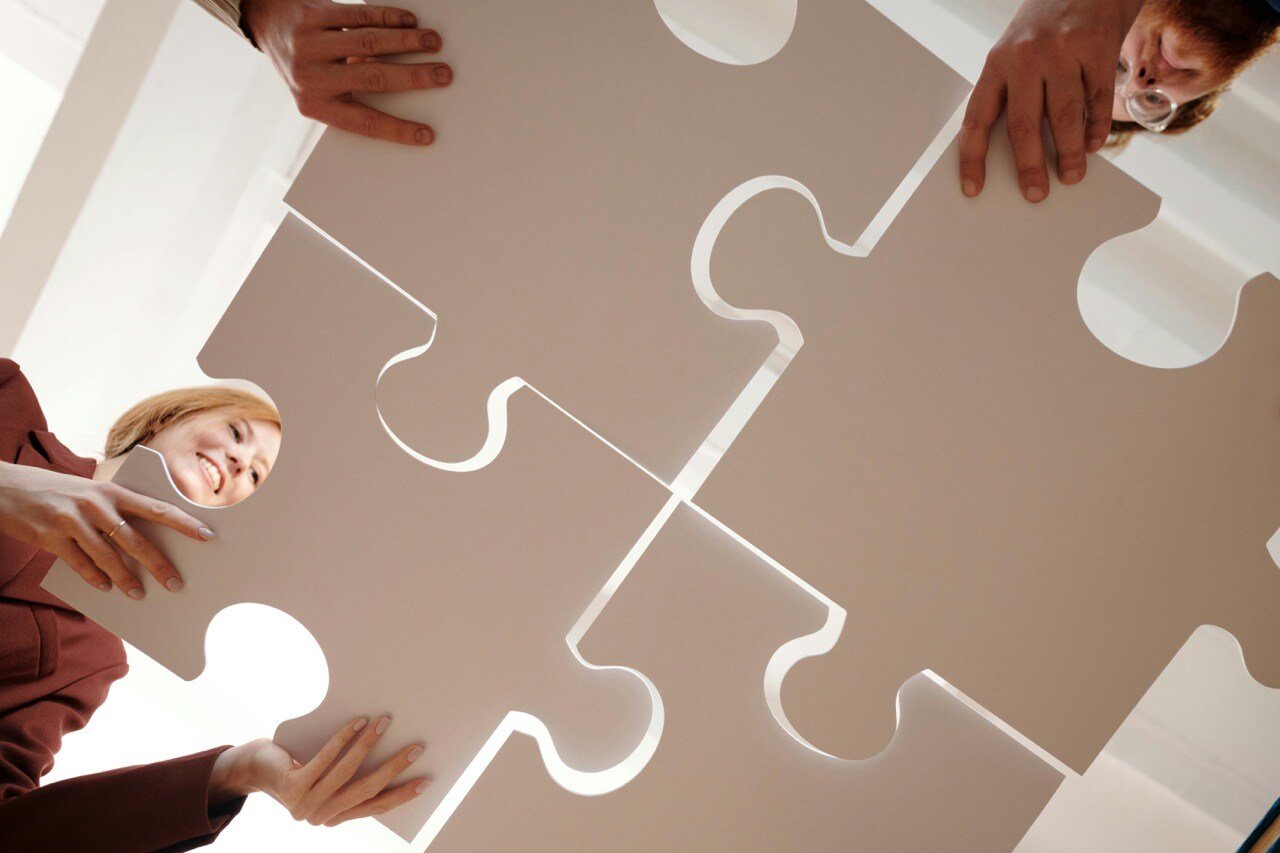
{"x":161,"y":806}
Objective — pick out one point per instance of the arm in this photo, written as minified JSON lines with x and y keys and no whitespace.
{"x":158,"y":806}
{"x":182,"y":803}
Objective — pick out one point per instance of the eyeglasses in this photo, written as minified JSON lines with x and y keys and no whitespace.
{"x":1151,"y":108}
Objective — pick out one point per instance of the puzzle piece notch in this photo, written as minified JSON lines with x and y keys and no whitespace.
{"x":550,"y":226}
{"x":441,"y":598}
{"x":726,"y":776}
{"x":989,"y":491}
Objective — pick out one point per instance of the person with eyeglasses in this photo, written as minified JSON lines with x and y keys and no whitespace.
{"x":1057,"y":61}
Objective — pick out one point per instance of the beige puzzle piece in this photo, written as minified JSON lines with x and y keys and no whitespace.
{"x":580,"y":147}
{"x":989,"y":491}
{"x":439,"y":597}
{"x":701,"y":615}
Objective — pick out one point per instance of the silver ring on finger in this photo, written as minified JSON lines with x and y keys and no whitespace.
{"x":113,"y":531}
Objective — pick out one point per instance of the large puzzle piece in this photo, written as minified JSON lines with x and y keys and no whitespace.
{"x":441,"y":598}
{"x":701,"y":615}
{"x":989,"y":491}
{"x":580,"y":148}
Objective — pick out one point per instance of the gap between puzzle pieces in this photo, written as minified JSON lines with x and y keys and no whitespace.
{"x":441,"y":598}
{"x":990,"y":492}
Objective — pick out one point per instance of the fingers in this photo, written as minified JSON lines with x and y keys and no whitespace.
{"x":341,"y":44}
{"x":366,"y":121}
{"x":132,"y":503}
{"x":1026,"y":116}
{"x":985,"y":106}
{"x":368,"y":788}
{"x":348,"y":16}
{"x":75,"y":557}
{"x":133,"y":543}
{"x":107,"y":559}
{"x":383,"y":803}
{"x":1064,"y":101}
{"x":316,"y":767}
{"x":1099,"y":91}
{"x":387,"y":77}
{"x":344,"y":769}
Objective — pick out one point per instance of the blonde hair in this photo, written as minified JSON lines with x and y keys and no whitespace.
{"x":143,"y":420}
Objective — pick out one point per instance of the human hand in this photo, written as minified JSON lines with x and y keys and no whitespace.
{"x":85,"y":521}
{"x":324,"y":52}
{"x":323,"y":791}
{"x":1057,"y":59}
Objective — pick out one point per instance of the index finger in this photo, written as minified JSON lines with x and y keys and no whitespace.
{"x":1099,"y":81}
{"x":344,"y":15}
{"x":1065,"y":106}
{"x":153,"y":509}
{"x":985,"y":105}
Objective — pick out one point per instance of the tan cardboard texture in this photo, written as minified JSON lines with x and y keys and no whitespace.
{"x":989,"y":491}
{"x":441,"y":598}
{"x":579,"y":149}
{"x":701,"y":615}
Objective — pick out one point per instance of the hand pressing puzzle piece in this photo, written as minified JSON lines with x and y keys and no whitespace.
{"x":989,"y":491}
{"x":580,"y":147}
{"x":726,"y":776}
{"x":440,"y":598}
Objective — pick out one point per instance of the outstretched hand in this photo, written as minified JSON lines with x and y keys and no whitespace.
{"x":328,"y":52}
{"x":1056,"y":60}
{"x":325,"y":790}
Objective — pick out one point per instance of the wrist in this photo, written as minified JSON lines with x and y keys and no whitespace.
{"x":232,"y":775}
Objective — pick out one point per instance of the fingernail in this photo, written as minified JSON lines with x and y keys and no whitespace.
{"x":424,"y":135}
{"x":407,"y":20}
{"x":422,"y":786}
{"x":414,"y":754}
{"x":431,"y":41}
{"x":173,"y":584}
{"x":1034,"y":194}
{"x":105,"y":586}
{"x":969,"y":188}
{"x":135,"y":594}
{"x":441,"y":74}
{"x":206,"y":533}
{"x":382,"y":725}
{"x":359,"y":724}
{"x":1071,"y":176}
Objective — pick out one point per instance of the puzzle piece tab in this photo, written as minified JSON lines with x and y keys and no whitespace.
{"x":726,"y":776}
{"x":580,"y":147}
{"x":439,"y":597}
{"x":989,"y":491}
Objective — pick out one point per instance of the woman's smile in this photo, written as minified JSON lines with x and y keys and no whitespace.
{"x":212,"y":472}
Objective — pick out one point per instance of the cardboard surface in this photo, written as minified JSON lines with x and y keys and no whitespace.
{"x":440,"y":598}
{"x":989,"y":491}
{"x":726,"y":776}
{"x":579,"y":149}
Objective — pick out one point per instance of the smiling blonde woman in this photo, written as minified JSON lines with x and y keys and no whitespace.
{"x":56,"y":666}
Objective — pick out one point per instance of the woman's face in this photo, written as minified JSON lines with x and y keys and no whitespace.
{"x":1163,"y":54}
{"x":217,"y":457}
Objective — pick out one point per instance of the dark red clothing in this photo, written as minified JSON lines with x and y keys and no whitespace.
{"x":55,"y":669}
